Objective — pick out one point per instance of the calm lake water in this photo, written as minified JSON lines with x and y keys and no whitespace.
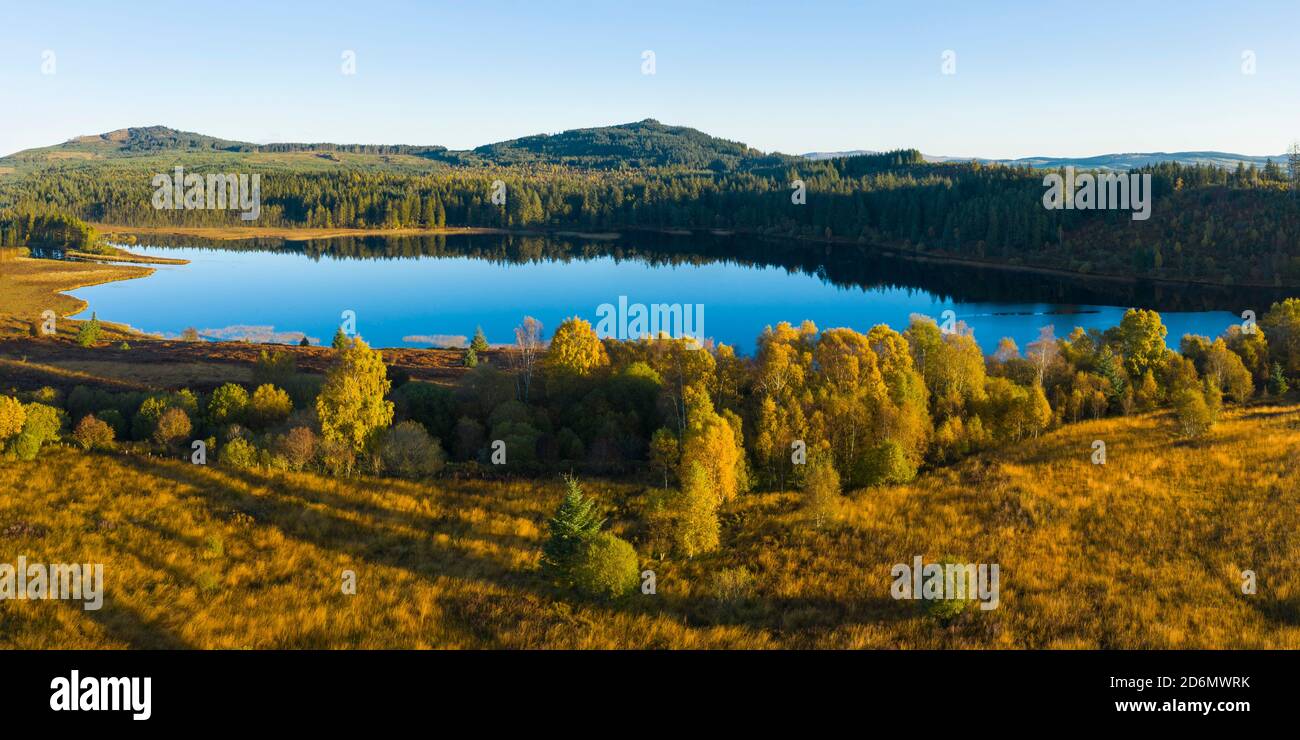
{"x":423,"y":291}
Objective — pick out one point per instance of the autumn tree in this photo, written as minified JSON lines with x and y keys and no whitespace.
{"x":575,"y":352}
{"x":1142,"y":341}
{"x":352,"y":405}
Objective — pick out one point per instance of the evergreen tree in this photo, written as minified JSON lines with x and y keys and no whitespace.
{"x":575,"y":521}
{"x":479,"y":343}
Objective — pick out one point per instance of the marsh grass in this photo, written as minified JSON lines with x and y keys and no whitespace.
{"x":1144,"y":552}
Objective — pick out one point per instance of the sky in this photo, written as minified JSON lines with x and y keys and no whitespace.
{"x":1026,"y":78}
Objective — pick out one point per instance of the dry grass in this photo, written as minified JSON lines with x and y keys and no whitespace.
{"x":29,"y":286}
{"x":1145,"y":552}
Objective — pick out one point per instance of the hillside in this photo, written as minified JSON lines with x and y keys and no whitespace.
{"x":1115,"y":162}
{"x":642,"y":144}
{"x":1144,"y":552}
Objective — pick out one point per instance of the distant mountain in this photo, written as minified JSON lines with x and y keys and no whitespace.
{"x":818,"y":156}
{"x":647,"y":143}
{"x":1126,"y":161}
{"x":147,"y":140}
{"x":642,"y":144}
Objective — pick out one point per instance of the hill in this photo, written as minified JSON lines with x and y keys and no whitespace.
{"x":643,"y":144}
{"x":1143,"y":552}
{"x":1117,"y":162}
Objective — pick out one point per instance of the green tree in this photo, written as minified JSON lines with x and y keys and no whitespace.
{"x":89,"y":331}
{"x":575,"y":520}
{"x":480,"y":343}
{"x":1142,"y":341}
{"x":228,"y":405}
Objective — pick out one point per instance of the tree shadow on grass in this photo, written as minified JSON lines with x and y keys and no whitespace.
{"x":124,"y":624}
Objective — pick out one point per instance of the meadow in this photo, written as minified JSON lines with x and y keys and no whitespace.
{"x":1146,"y":551}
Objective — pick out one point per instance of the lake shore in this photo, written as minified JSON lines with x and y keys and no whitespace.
{"x":231,"y":233}
{"x":31,"y":285}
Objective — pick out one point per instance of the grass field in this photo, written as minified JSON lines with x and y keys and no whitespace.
{"x":30,"y":286}
{"x":1143,"y":552}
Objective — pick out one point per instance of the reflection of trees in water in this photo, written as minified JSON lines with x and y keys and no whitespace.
{"x":845,"y":266}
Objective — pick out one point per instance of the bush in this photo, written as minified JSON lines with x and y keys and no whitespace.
{"x":88,"y":333}
{"x":1193,"y":414}
{"x":268,"y":407}
{"x":337,"y":456}
{"x":821,"y":493}
{"x":227,"y":405}
{"x":298,"y":447}
{"x":733,"y":585}
{"x":92,"y":433}
{"x":173,"y":426}
{"x":40,"y":425}
{"x":409,"y":451}
{"x":12,"y":416}
{"x":238,"y":453}
{"x":605,"y":566}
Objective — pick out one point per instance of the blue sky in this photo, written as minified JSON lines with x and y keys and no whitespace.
{"x":1032,"y":78}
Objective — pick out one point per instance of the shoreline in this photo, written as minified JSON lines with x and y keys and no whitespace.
{"x":32,"y":285}
{"x":232,"y":233}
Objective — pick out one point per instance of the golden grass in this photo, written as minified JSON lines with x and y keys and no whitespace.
{"x":29,"y":286}
{"x":1145,"y":552}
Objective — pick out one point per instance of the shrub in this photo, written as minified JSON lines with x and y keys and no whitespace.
{"x":337,"y":456}
{"x":41,"y":424}
{"x":1193,"y":414}
{"x":268,"y":407}
{"x":605,"y":566}
{"x":92,"y":433}
{"x":1277,"y":384}
{"x":410,"y":452}
{"x":733,"y":585}
{"x":298,"y":447}
{"x":238,"y":453}
{"x":228,"y":405}
{"x":173,"y":426}
{"x":821,"y":493}
{"x":152,"y":408}
{"x":12,"y":416}
{"x":88,"y":333}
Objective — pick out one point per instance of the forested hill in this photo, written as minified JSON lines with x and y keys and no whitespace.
{"x":1231,"y":226}
{"x":640,"y":145}
{"x":143,"y":141}
{"x":643,"y":144}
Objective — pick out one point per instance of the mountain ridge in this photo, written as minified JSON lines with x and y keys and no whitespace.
{"x":634,"y":145}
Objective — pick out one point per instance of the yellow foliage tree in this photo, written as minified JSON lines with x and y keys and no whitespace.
{"x":575,"y":351}
{"x":351,"y":405}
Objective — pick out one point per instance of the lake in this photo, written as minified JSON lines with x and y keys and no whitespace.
{"x":434,"y":291}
